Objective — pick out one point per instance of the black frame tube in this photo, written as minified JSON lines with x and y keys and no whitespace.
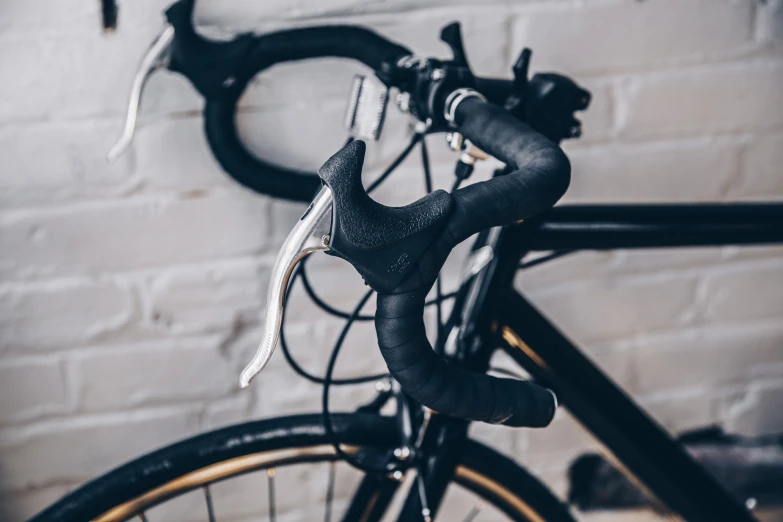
{"x":608,"y":227}
{"x":635,"y":439}
{"x":638,"y":442}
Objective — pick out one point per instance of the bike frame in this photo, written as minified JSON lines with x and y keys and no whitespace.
{"x":498,"y":316}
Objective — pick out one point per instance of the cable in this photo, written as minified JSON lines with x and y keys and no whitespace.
{"x":323,"y":304}
{"x":544,"y":259}
{"x":301,"y":371}
{"x":298,"y":369}
{"x":331,"y":310}
{"x":396,"y":163}
{"x":325,"y":415}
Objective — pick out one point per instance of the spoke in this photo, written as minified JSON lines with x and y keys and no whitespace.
{"x":270,"y":475}
{"x":142,"y":516}
{"x":210,"y":509}
{"x":474,"y":511}
{"x":425,"y":509}
{"x":329,"y":492}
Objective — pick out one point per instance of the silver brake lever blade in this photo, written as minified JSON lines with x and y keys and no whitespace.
{"x":311,"y":234}
{"x":155,"y":58}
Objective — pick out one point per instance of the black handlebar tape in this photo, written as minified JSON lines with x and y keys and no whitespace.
{"x":357,"y":43}
{"x":541,"y":171}
{"x":444,"y":388}
{"x":540,"y":178}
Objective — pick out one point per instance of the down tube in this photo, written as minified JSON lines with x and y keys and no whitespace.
{"x":634,"y":439}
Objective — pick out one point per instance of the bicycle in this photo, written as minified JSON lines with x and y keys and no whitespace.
{"x":399,"y":252}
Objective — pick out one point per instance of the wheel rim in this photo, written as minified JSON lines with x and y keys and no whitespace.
{"x":476,"y":482}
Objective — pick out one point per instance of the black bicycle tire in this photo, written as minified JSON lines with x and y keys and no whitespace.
{"x":144,"y":474}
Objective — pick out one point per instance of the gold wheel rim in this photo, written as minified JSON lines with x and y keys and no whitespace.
{"x":255,"y":461}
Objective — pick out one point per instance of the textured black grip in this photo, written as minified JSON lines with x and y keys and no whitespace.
{"x":381,"y":242}
{"x":540,"y":178}
{"x":266,"y":50}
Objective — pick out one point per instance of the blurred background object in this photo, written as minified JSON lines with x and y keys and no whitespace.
{"x":131,"y":294}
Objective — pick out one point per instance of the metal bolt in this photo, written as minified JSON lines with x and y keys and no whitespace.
{"x":438,"y":74}
{"x":403,"y":453}
{"x":421,"y":126}
{"x":403,"y":100}
{"x":454,"y":140}
{"x":383,"y":386}
{"x":325,"y":239}
{"x":397,"y":475}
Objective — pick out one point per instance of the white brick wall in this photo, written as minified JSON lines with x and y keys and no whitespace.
{"x":131,"y":294}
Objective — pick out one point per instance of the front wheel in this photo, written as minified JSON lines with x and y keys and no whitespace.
{"x":287,"y":469}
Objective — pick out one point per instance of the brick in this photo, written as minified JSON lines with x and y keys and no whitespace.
{"x":226,"y":412}
{"x":699,"y":170}
{"x":500,"y":438}
{"x":30,"y":389}
{"x":24,"y":18}
{"x":275,"y":133}
{"x":752,"y":252}
{"x":598,"y":121}
{"x":173,"y":154}
{"x":247,"y":15}
{"x":72,"y":166}
{"x":60,"y":315}
{"x":75,"y":450}
{"x":621,"y":515}
{"x":132,"y":234}
{"x":278,"y":389}
{"x":333,"y":280}
{"x":651,"y":260}
{"x":756,"y":411}
{"x":684,"y":411}
{"x":770,"y":24}
{"x":484,"y":28}
{"x":79,"y":89}
{"x":485,"y":33}
{"x":212,"y":298}
{"x":556,"y":445}
{"x":155,"y":373}
{"x":615,"y":360}
{"x":620,"y":36}
{"x":760,"y":169}
{"x":580,"y":265}
{"x":22,"y":505}
{"x":746,"y":293}
{"x":305,"y":83}
{"x":618,"y":307}
{"x":731,"y":98}
{"x":706,"y":358}
{"x":165,"y":93}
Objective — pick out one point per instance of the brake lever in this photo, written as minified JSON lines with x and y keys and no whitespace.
{"x":157,"y":57}
{"x":310,"y":234}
